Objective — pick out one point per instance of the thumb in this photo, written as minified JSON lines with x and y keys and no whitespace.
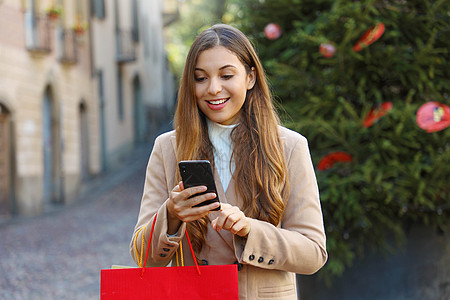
{"x":214,"y":223}
{"x":178,"y":188}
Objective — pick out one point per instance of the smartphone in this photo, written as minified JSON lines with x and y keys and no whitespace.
{"x":198,"y":172}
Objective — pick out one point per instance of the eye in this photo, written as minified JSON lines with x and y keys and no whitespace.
{"x":199,"y":79}
{"x":226,"y":77}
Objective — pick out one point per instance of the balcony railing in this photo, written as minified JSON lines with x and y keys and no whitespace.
{"x":37,"y":36}
{"x":68,"y":47}
{"x":171,"y":12}
{"x":126,"y":51}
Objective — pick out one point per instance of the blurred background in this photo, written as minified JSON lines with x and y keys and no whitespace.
{"x":86,"y":85}
{"x":81,"y":83}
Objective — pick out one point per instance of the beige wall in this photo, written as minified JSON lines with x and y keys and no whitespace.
{"x":149,"y":66}
{"x":25,"y":76}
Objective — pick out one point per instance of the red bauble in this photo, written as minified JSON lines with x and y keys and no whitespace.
{"x":376,"y":113}
{"x":433,"y":116}
{"x":272,"y":31}
{"x":370,"y":36}
{"x":327,"y":50}
{"x":330,"y":159}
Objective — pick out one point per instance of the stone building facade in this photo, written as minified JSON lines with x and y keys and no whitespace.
{"x":80,"y":84}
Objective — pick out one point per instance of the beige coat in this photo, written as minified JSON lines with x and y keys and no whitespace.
{"x":270,"y":256}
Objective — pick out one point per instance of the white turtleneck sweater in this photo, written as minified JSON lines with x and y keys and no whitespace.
{"x":220,"y":137}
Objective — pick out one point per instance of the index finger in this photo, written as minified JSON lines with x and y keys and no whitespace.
{"x":194,"y":190}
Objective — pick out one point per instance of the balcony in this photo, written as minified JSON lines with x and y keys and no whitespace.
{"x":37,"y":33}
{"x":171,"y":12}
{"x":126,"y":51}
{"x":68,"y":47}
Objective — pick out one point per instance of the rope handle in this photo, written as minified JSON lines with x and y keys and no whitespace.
{"x":192,"y":252}
{"x":148,"y":248}
{"x":181,"y":254}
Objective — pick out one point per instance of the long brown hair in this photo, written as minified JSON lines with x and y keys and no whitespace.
{"x":258,"y":151}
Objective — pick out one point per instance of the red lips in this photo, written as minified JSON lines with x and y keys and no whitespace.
{"x":217,"y":106}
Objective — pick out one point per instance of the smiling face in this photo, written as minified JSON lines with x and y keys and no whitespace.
{"x":221,"y":84}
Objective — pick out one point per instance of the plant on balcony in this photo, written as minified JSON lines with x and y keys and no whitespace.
{"x":54,"y":11}
{"x":80,"y":27}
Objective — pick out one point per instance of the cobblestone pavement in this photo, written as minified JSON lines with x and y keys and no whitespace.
{"x":59,"y":255}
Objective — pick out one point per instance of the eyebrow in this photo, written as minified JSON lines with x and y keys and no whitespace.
{"x":221,"y":68}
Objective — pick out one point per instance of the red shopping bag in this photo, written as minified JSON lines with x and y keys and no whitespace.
{"x":185,"y":282}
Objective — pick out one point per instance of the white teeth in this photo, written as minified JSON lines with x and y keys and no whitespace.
{"x":216,"y":102}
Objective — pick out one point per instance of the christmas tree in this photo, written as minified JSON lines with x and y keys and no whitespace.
{"x":353,"y":77}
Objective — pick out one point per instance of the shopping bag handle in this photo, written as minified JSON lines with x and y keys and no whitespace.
{"x":150,"y":240}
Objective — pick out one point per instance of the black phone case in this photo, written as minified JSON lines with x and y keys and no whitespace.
{"x":198,"y":172}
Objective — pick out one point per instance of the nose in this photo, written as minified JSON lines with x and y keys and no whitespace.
{"x":214,"y":86}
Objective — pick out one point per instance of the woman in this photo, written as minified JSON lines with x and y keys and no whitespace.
{"x":270,"y":222}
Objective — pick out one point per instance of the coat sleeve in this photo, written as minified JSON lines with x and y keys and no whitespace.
{"x":158,"y":183}
{"x":298,"y":244}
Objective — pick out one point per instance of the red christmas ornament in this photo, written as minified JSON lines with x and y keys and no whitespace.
{"x":370,"y":36}
{"x":433,"y":116}
{"x":330,"y":159}
{"x":327,"y":50}
{"x":272,"y":31}
{"x":376,"y":113}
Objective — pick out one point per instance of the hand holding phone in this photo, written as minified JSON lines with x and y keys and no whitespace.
{"x":198,"y":172}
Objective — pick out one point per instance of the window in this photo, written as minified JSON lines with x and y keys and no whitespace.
{"x":101,"y":96}
{"x":120,"y":92}
{"x":98,"y":8}
{"x":135,"y":16}
{"x":37,"y":29}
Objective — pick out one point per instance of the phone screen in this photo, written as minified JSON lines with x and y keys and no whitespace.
{"x":198,"y":172}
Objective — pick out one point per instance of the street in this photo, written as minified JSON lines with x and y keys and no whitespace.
{"x":59,"y":255}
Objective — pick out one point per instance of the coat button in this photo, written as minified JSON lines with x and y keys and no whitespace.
{"x":260,"y":259}
{"x":251,"y":257}
{"x":162,"y":254}
{"x":166,"y":249}
{"x":271,"y":262}
{"x":239,"y":265}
